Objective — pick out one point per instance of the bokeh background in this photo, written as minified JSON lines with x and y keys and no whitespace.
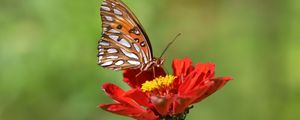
{"x":48,"y":63}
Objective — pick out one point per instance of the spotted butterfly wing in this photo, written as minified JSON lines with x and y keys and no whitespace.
{"x":124,"y":43}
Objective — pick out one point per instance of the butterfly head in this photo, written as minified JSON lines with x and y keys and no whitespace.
{"x":152,"y":64}
{"x":158,"y":62}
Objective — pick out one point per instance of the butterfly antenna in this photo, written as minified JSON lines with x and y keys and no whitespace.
{"x":169,"y":45}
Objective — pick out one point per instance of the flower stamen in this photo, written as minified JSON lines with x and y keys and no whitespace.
{"x":160,"y":83}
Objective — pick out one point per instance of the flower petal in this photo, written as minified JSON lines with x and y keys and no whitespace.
{"x":124,"y":110}
{"x":181,"y":104}
{"x":198,"y":91}
{"x":217,"y":84}
{"x":135,"y":77}
{"x":183,"y":100}
{"x":121,"y":109}
{"x":113,"y":91}
{"x":162,"y":103}
{"x":208,"y":69}
{"x":138,"y":96}
{"x":182,"y":67}
{"x":117,"y":94}
{"x":189,"y":82}
{"x":149,"y":115}
{"x":196,"y":78}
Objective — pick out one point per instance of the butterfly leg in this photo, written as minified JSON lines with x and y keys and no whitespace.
{"x":153,"y":69}
{"x":139,"y":73}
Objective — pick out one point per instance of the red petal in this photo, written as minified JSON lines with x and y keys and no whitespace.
{"x":140,"y":97}
{"x":197,"y":91}
{"x":188,"y":97}
{"x":112,"y":90}
{"x":149,"y":115}
{"x":181,"y":104}
{"x":217,"y":84}
{"x":182,"y":67}
{"x":162,"y":103}
{"x":196,"y":77}
{"x":135,"y":77}
{"x":117,"y":94}
{"x":199,"y":83}
{"x":208,"y":69}
{"x":122,"y":109}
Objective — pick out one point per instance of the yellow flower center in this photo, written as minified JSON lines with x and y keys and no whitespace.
{"x":158,"y":83}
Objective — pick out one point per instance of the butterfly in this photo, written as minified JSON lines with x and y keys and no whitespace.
{"x":124,"y":43}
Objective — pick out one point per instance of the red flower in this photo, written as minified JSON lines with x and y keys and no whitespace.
{"x":164,"y":96}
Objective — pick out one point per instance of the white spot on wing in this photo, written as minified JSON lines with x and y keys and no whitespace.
{"x":101,"y":53}
{"x":137,"y":47}
{"x":125,"y":43}
{"x":133,"y":62}
{"x":112,"y":50}
{"x":104,"y":3}
{"x":104,"y":29}
{"x":104,"y":43}
{"x":114,"y":37}
{"x":114,"y":31}
{"x":122,"y":41}
{"x":118,"y":12}
{"x":120,"y":62}
{"x":137,"y":32}
{"x":105,"y":8}
{"x":128,"y":54}
{"x":107,"y":63}
{"x":109,"y":18}
{"x":112,"y":57}
{"x":101,"y":50}
{"x":145,"y":57}
{"x":100,"y":58}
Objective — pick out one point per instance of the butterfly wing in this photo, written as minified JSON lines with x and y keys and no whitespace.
{"x":124,"y":43}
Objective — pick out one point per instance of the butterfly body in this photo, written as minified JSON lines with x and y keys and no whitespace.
{"x":153,"y":63}
{"x":124,"y":43}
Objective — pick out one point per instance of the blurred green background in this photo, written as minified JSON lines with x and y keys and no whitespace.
{"x":49,"y":66}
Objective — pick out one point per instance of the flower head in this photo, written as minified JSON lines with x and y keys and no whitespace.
{"x":160,"y":96}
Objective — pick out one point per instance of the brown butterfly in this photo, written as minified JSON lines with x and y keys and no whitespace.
{"x":124,"y":43}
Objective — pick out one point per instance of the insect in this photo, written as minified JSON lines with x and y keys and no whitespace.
{"x":124,"y":43}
